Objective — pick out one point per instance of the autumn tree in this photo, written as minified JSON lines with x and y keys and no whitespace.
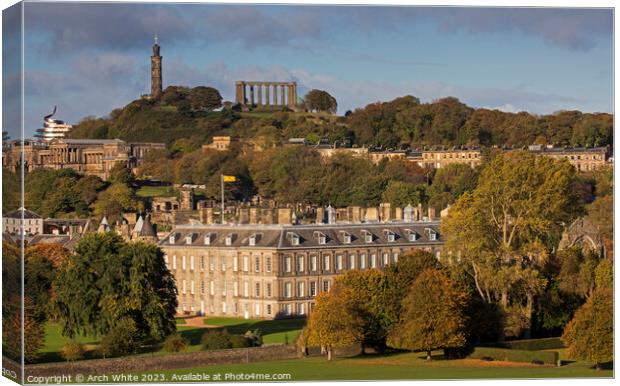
{"x":334,"y":322}
{"x":505,"y":229}
{"x":108,"y":281}
{"x":369,"y":297}
{"x":432,"y":316}
{"x":589,"y":336}
{"x":319,"y":100}
{"x":401,"y":275}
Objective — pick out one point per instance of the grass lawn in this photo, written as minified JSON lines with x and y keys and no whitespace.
{"x":396,"y":366}
{"x":274,"y":331}
{"x":156,"y":191}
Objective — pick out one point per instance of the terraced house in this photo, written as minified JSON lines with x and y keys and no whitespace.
{"x":271,"y":271}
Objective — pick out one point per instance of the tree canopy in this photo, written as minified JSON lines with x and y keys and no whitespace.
{"x":432,"y":316}
{"x":319,"y":100}
{"x":109,"y":280}
{"x":505,"y":229}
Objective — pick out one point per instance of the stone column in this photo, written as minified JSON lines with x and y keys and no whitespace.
{"x":282,"y":98}
{"x":251,"y":95}
{"x":260,"y":94}
{"x":239,"y":93}
{"x":267,"y":99}
{"x":275,"y":94}
{"x":291,"y":102}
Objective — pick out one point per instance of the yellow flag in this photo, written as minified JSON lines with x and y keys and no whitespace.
{"x":230,"y":178}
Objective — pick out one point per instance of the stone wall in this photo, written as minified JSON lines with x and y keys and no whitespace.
{"x":136,"y":364}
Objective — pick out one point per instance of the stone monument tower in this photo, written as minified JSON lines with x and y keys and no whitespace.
{"x":156,"y":83}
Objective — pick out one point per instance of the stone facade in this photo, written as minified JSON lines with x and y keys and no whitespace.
{"x":439,"y":158}
{"x":86,"y":156}
{"x":270,"y":271}
{"x":22,"y":220}
{"x":220,"y":143}
{"x":583,"y":159}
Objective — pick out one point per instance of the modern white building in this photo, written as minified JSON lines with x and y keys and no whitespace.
{"x":53,"y":128}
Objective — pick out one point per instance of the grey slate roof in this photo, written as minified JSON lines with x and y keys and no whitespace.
{"x":28,"y":214}
{"x":282,"y":236}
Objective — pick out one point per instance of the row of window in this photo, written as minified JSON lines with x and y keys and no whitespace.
{"x":203,"y":261}
{"x":451,"y":155}
{"x":189,"y":287}
{"x":368,"y":237}
{"x":342,"y":262}
{"x":246,"y":308}
{"x":300,"y":288}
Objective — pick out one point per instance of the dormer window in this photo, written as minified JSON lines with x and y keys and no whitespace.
{"x":432,"y":234}
{"x":294,"y":237}
{"x":412,"y":235}
{"x":367,"y":237}
{"x":229,"y":239}
{"x":172,"y":238}
{"x":189,"y":238}
{"x":346,"y":237}
{"x":390,"y":236}
{"x":208,"y":239}
{"x":252,"y":240}
{"x":320,"y":237}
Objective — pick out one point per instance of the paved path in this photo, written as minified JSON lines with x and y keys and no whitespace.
{"x":196,"y":321}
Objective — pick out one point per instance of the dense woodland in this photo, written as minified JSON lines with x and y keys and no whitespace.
{"x":184,"y":119}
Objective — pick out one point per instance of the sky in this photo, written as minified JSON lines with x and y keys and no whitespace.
{"x":89,"y":58}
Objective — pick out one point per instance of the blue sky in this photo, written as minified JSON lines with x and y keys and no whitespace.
{"x":89,"y":58}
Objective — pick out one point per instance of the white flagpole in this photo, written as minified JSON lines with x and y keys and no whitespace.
{"x":222,"y":182}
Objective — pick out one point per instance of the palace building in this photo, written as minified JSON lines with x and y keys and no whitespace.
{"x":86,"y":156}
{"x":272,"y":271}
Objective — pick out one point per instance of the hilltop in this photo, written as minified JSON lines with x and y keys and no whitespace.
{"x":402,"y":122}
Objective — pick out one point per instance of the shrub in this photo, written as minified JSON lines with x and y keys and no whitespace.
{"x":238,"y":341}
{"x":254,"y":338}
{"x":73,"y":351}
{"x":222,"y":339}
{"x":121,"y":340}
{"x":175,"y":343}
{"x":502,"y":354}
{"x":216,"y":340}
{"x":534,"y":344}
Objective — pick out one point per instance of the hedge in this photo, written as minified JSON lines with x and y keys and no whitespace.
{"x":528,"y":344}
{"x":503,"y":354}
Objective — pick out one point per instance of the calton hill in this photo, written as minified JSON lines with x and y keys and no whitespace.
{"x":504,"y":301}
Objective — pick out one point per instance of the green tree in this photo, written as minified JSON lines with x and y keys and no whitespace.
{"x":369,"y":298}
{"x":115,"y":200}
{"x":401,"y":275}
{"x":432,"y":316}
{"x":334,"y":321}
{"x":401,"y":194}
{"x":319,"y":100}
{"x":505,"y":229}
{"x":108,"y":281}
{"x":205,"y":98}
{"x":589,"y":336}
{"x":11,"y":196}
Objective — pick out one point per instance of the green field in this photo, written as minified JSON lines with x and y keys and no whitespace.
{"x":156,"y":191}
{"x":274,"y":331}
{"x":395,"y":366}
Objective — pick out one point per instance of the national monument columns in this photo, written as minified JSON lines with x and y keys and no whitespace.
{"x":288,"y":94}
